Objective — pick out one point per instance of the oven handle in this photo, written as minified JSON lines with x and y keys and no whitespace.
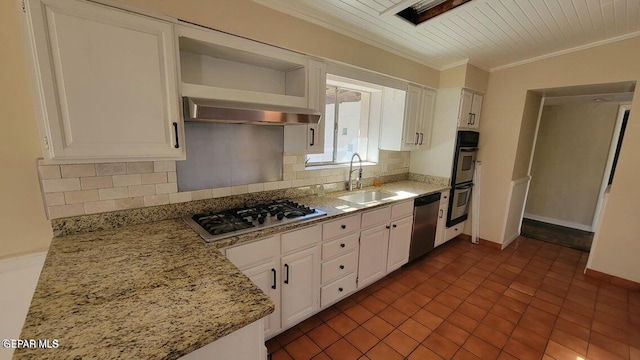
{"x":475,"y":149}
{"x":463,"y":187}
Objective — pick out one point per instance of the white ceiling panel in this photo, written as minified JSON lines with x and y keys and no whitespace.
{"x":487,"y":33}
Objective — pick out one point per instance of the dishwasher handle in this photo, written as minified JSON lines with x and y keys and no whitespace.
{"x":427,"y":199}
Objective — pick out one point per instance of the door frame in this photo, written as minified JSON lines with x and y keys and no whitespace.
{"x":607,"y":169}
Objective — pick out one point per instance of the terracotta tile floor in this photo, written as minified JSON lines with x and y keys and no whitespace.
{"x":464,"y":301}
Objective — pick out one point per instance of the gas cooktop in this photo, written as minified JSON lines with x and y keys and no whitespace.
{"x":212,"y":226}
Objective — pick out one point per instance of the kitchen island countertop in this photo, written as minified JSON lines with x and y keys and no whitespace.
{"x":155,"y":290}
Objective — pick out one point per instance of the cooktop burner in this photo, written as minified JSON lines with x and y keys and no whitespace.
{"x":215,"y":226}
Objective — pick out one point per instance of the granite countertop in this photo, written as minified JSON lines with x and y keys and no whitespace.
{"x":154,"y":290}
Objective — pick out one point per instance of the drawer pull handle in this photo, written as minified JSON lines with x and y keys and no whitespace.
{"x":343,"y":226}
{"x":274,"y":278}
{"x":340,"y":289}
{"x":441,"y":213}
{"x":341,"y":267}
{"x":342,"y":245}
{"x":395,"y":226}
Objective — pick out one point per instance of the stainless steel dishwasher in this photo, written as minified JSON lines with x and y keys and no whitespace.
{"x":425,"y":218}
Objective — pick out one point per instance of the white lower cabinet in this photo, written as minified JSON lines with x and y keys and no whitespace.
{"x":453,"y":231}
{"x":286,"y":267}
{"x":442,"y":219}
{"x":399,"y":243}
{"x":372,"y":264}
{"x":244,"y":344}
{"x":301,"y":284}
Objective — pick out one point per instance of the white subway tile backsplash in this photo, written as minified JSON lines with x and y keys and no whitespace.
{"x":239,"y":189}
{"x":72,"y":171}
{"x":60,"y":185}
{"x":271,"y":186}
{"x":180,"y":197}
{"x":155,"y":200}
{"x":53,"y":199}
{"x":202,"y":194}
{"x":154,"y":178}
{"x":252,"y":188}
{"x":129,"y":203}
{"x":62,"y":211}
{"x":221,"y":192}
{"x":113,"y":193}
{"x":168,"y":188}
{"x":99,"y":206}
{"x":80,"y":196}
{"x":142,"y":190}
{"x":96,"y":182}
{"x":127,"y":180}
{"x":111,"y":169}
{"x":72,"y":190}
{"x":49,"y":171}
{"x":164,"y":166}
{"x":141,"y":167}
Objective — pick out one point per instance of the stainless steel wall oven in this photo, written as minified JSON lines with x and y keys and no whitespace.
{"x":462,"y":176}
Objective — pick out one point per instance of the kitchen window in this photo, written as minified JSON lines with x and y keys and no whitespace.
{"x":350,"y":124}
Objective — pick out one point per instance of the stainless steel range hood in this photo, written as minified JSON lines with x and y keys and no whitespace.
{"x":196,"y":109}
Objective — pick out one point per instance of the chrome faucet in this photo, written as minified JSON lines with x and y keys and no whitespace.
{"x":359,"y":180}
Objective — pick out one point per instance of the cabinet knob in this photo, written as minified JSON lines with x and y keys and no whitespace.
{"x":342,"y":245}
{"x":388,"y":227}
{"x":340,"y":289}
{"x":395,"y":226}
{"x":341,"y":267}
{"x":343,"y":226}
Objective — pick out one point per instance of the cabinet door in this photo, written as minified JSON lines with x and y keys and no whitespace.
{"x":425,"y":123}
{"x":391,"y":122}
{"x":464,"y":116}
{"x":441,"y":223}
{"x":107,"y":83}
{"x":412,"y":115}
{"x":300,"y":285}
{"x":399,"y":243}
{"x":317,"y":101}
{"x":266,"y":277}
{"x":372,"y":264}
{"x":476,"y":108}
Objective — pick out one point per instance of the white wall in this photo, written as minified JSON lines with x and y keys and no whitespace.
{"x":18,"y":279}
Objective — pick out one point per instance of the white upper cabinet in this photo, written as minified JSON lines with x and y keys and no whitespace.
{"x":219,"y":66}
{"x":407,"y":117}
{"x":317,"y":101}
{"x":106,"y":83}
{"x":470,"y":107}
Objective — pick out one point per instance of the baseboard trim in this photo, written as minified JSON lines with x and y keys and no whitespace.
{"x":558,"y":222}
{"x":613,"y":280}
{"x":481,"y":241}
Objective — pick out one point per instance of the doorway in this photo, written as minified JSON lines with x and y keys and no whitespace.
{"x":573,"y":158}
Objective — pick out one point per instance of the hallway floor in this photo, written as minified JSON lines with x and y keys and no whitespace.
{"x":464,"y":301}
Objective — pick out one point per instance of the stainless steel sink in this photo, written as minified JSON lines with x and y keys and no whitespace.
{"x":367,"y":197}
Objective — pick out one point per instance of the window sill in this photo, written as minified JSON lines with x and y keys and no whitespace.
{"x":338,"y":166}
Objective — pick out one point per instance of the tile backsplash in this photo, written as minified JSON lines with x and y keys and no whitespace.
{"x":82,"y":189}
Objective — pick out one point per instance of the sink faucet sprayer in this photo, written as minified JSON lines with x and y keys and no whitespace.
{"x":359,"y":180}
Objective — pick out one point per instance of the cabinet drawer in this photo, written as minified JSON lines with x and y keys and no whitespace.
{"x":402,"y":210}
{"x":337,"y":289}
{"x":339,"y":267}
{"x":340,"y":246}
{"x":341,"y":226}
{"x":254,"y":253}
{"x":376,"y":217}
{"x":453,"y":231}
{"x":300,"y":239}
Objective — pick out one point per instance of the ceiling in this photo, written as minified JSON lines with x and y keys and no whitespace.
{"x":490,"y":34}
